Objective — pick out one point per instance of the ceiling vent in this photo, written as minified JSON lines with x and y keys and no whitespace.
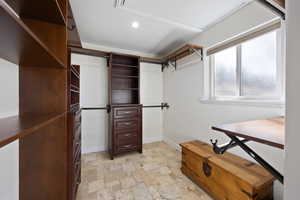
{"x":119,"y":3}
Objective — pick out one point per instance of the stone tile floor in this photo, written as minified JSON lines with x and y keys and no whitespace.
{"x":153,"y":175}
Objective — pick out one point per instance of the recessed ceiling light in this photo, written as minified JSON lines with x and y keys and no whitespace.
{"x":135,"y":24}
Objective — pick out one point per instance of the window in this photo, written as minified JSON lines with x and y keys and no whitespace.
{"x":251,"y":70}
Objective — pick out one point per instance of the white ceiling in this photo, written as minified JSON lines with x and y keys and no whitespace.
{"x":164,"y":24}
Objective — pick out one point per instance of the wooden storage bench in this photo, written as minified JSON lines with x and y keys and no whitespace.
{"x":227,"y":176}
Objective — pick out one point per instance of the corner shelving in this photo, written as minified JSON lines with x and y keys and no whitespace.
{"x":20,"y":45}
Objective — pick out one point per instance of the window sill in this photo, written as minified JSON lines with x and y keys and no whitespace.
{"x":240,"y":102}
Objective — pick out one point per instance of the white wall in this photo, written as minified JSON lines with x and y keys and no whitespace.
{"x":189,"y":119}
{"x":93,"y":93}
{"x":152,"y":94}
{"x":292,"y":162}
{"x":9,"y":154}
{"x":93,"y":83}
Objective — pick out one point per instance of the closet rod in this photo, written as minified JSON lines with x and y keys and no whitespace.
{"x":162,"y":106}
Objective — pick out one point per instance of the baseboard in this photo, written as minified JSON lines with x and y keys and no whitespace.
{"x":153,"y":139}
{"x":94,"y":149}
{"x":171,"y":143}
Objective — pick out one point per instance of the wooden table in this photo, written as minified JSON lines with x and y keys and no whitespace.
{"x":267,"y":131}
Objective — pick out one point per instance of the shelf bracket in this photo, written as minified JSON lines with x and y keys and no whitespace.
{"x":163,"y":66}
{"x":200,"y":54}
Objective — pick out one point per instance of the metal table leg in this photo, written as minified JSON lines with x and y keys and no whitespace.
{"x":259,"y":159}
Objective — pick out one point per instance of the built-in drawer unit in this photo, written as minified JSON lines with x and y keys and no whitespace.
{"x":126,"y":131}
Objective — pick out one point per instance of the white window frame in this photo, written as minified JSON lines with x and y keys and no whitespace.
{"x":278,"y":101}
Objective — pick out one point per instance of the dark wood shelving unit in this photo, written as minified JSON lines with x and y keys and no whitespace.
{"x":47,"y":10}
{"x":34,"y":36}
{"x":74,"y":129}
{"x":125,"y":119}
{"x":19,"y":44}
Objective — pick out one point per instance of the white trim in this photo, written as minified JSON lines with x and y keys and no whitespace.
{"x":152,"y":139}
{"x":240,"y":102}
{"x":9,"y":114}
{"x":94,"y":149}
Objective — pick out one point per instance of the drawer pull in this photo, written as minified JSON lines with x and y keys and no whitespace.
{"x":127,"y":123}
{"x":127,"y":135}
{"x":127,"y":112}
{"x":127,"y":146}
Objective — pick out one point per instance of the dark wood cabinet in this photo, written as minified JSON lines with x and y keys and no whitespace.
{"x":48,"y":124}
{"x":125,"y":119}
{"x":74,"y":130}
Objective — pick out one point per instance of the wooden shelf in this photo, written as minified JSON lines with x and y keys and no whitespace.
{"x":133,"y":89}
{"x":75,"y":72}
{"x":13,"y":128}
{"x":281,"y":3}
{"x":152,"y":60}
{"x":75,"y":91}
{"x":46,"y":10}
{"x":178,"y":54}
{"x":74,"y":87}
{"x":74,"y":105}
{"x":20,"y":45}
{"x":182,"y":52}
{"x":124,"y":76}
{"x":123,"y":65}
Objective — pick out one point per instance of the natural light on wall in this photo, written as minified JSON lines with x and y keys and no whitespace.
{"x":250,"y":71}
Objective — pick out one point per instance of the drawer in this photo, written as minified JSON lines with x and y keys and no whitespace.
{"x":127,"y":139}
{"x":131,"y":124}
{"x":127,"y":148}
{"x":127,"y":134}
{"x":126,"y":112}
